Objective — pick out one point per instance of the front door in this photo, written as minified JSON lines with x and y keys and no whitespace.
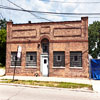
{"x":44,"y":65}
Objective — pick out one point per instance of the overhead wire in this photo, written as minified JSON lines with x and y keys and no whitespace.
{"x":54,"y":13}
{"x":29,"y":12}
{"x":1,"y":12}
{"x":76,"y":15}
{"x":71,"y":2}
{"x":60,"y":2}
{"x":1,"y":15}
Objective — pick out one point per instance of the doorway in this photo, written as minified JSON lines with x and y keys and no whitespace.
{"x":44,"y":57}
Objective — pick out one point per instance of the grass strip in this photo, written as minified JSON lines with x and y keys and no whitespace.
{"x":49,"y":84}
{"x":2,"y":67}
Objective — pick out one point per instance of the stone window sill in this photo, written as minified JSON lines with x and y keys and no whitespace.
{"x":59,"y":67}
{"x":31,"y":67}
{"x":76,"y":67}
{"x":14,"y":66}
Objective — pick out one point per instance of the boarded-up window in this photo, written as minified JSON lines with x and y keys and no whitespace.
{"x":14,"y":60}
{"x":58,"y":58}
{"x":31,"y":59}
{"x":75,"y":59}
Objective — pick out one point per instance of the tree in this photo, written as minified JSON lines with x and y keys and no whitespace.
{"x":94,"y":39}
{"x":3,"y":24}
{"x":2,"y":41}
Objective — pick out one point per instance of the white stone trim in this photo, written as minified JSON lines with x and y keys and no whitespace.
{"x":14,"y":66}
{"x":30,"y":66}
{"x":76,"y":67}
{"x":58,"y":67}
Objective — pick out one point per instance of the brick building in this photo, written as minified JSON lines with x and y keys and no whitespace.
{"x":54,"y":49}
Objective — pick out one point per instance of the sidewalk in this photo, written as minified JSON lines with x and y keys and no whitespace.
{"x":54,"y":79}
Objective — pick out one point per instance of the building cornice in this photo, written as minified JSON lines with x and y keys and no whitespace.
{"x":51,"y":41}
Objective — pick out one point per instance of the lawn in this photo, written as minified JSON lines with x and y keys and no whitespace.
{"x":49,"y":84}
{"x":2,"y":67}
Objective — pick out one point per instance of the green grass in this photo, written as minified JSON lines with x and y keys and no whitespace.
{"x":2,"y":67}
{"x":49,"y":84}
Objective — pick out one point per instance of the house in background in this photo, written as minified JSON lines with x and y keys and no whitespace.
{"x":54,"y":49}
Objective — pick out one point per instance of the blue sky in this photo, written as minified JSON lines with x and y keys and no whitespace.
{"x":47,"y":5}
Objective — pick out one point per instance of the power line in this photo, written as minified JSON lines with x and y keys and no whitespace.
{"x":29,"y":12}
{"x":62,"y":15}
{"x":72,"y":2}
{"x":1,"y":15}
{"x":1,"y":11}
{"x":76,"y":16}
{"x":53,"y":13}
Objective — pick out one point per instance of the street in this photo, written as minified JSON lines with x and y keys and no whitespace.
{"x":8,"y":92}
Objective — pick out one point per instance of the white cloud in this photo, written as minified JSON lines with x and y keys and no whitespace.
{"x":24,"y":17}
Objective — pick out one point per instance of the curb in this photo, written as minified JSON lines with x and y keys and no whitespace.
{"x":45,"y":87}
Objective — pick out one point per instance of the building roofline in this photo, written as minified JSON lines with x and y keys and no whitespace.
{"x":47,"y":22}
{"x":57,"y":22}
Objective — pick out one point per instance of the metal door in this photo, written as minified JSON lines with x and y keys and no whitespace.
{"x":44,"y":65}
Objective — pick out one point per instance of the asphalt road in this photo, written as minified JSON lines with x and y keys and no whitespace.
{"x":8,"y":92}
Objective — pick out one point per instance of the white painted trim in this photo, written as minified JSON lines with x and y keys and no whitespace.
{"x":58,"y":67}
{"x":76,"y":67}
{"x":14,"y":66}
{"x":30,"y":66}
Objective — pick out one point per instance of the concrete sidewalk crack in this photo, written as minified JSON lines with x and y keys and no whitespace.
{"x":16,"y":94}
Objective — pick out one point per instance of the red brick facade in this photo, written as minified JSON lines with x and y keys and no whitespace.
{"x":62,"y":36}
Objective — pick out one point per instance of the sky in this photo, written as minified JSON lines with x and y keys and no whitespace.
{"x":49,"y":6}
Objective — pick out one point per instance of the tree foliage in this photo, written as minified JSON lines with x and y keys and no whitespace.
{"x":3,"y":24}
{"x":94,"y":39}
{"x":2,"y":41}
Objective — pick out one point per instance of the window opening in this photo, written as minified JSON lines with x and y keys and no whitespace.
{"x":45,"y":61}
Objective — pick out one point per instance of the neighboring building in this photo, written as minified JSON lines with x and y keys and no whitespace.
{"x":54,"y":49}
